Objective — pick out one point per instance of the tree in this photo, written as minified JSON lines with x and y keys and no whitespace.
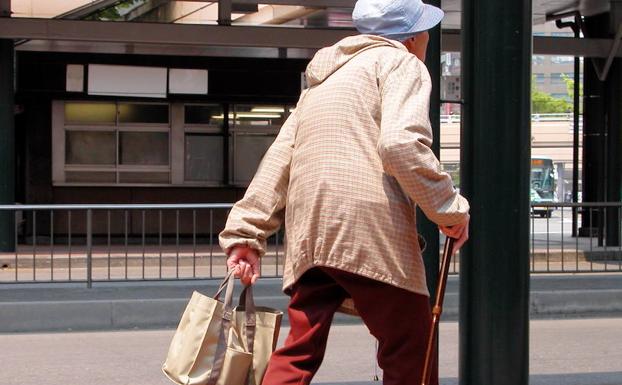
{"x":544,"y":103}
{"x":570,"y":89}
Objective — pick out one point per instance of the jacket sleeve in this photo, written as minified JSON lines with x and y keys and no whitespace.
{"x":260,"y":213}
{"x":405,"y":141}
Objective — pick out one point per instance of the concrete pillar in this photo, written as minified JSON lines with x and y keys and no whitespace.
{"x":7,"y":144}
{"x":496,"y":132}
{"x":613,"y":94}
{"x":594,"y":130}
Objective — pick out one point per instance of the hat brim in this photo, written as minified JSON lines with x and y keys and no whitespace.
{"x":430,"y":17}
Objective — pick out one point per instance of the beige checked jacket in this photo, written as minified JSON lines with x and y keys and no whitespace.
{"x":348,"y":167}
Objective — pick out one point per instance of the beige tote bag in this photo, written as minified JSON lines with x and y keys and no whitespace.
{"x":216,"y":344}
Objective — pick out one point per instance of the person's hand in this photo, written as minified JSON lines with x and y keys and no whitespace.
{"x":244,"y":261}
{"x":459,"y":232}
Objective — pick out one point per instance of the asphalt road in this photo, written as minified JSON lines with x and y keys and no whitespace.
{"x":568,"y":352}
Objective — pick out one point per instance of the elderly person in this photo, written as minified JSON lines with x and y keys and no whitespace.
{"x":345,"y":174}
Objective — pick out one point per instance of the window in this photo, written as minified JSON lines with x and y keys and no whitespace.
{"x":563,"y":96}
{"x":204,"y":144}
{"x":155,"y":144}
{"x":562,"y":59}
{"x":539,"y":78}
{"x":112,"y":143}
{"x":538,"y":59}
{"x":556,"y":78}
{"x":253,"y":128}
{"x":453,"y":169}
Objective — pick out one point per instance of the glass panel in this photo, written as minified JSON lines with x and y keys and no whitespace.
{"x":144,"y":177}
{"x":552,"y":88}
{"x":204,"y":158}
{"x":90,"y":176}
{"x":90,"y":147}
{"x":90,"y":113}
{"x":259,"y":115}
{"x":453,"y":169}
{"x":121,"y":11}
{"x":208,"y":114}
{"x":44,"y":8}
{"x":248,"y":152}
{"x":450,"y":80}
{"x":144,"y":148}
{"x":331,"y":17}
{"x":450,"y":140}
{"x":143,"y":113}
{"x":195,"y":12}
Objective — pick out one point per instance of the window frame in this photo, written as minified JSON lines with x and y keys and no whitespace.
{"x":207,"y":130}
{"x":236,"y":131}
{"x":59,"y":129}
{"x":177,"y":130}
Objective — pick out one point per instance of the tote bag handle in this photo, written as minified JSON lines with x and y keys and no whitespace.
{"x":227,"y":319}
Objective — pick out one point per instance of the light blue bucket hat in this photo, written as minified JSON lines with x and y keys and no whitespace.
{"x":395,"y":19}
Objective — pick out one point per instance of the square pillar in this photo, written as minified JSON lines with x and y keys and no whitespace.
{"x":495,"y":166}
{"x":7,"y":144}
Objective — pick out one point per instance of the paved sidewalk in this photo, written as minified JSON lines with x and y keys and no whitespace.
{"x":563,"y":352}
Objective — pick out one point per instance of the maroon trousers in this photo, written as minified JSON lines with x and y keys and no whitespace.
{"x":398,"y":318}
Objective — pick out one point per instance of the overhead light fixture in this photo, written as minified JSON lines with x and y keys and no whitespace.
{"x":221,"y":116}
{"x":257,"y":115}
{"x":268,"y":109}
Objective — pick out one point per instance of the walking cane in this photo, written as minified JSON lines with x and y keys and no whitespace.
{"x":437,"y":310}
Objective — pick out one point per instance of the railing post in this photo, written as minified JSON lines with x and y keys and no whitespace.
{"x":89,"y":248}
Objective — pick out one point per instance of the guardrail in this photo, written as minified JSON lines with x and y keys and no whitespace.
{"x":455,"y":118}
{"x":95,"y":243}
{"x":597,"y":248}
{"x":90,"y":243}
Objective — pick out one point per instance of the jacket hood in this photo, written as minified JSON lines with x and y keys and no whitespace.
{"x":328,"y":60}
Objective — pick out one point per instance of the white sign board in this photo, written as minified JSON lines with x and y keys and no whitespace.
{"x":186,"y":81}
{"x":149,"y":82}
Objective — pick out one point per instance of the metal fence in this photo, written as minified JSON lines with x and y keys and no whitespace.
{"x":91,"y":243}
{"x":455,"y":118}
{"x":95,"y":243}
{"x":556,"y":248}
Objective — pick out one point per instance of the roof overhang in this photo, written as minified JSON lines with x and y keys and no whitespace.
{"x":191,"y":35}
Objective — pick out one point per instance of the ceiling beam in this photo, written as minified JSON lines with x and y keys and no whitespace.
{"x":86,"y":9}
{"x":177,"y":34}
{"x":246,"y":36}
{"x":547,"y":45}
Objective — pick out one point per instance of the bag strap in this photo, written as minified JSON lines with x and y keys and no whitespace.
{"x":246,"y":298}
{"x":223,"y":284}
{"x":227,"y":316}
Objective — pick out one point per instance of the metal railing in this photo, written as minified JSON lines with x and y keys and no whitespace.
{"x":99,"y":243}
{"x":565,"y":117}
{"x":141,"y":242}
{"x":556,"y":248}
